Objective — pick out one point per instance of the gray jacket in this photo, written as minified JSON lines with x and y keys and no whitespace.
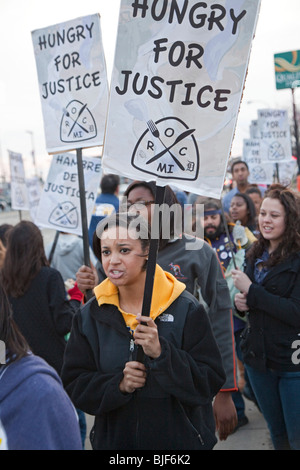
{"x":200,"y":270}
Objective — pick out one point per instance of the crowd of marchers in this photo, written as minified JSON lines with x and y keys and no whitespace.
{"x":223,"y":322}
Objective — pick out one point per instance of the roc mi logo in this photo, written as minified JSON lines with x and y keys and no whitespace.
{"x":2,"y":353}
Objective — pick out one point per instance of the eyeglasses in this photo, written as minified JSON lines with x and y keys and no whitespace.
{"x":128,"y":205}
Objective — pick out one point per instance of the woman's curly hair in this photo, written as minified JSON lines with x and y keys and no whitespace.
{"x":291,"y":238}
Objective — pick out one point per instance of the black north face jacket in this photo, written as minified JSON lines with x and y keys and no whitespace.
{"x":273,"y":328}
{"x":174,"y":409}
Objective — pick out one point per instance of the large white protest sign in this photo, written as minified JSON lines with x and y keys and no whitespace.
{"x":261,"y":171}
{"x":274,"y":133}
{"x":59,"y":206}
{"x":72,"y":82}
{"x":19,"y":194}
{"x":253,"y":129}
{"x":177,"y":82}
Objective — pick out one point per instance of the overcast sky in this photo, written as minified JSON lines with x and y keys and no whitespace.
{"x":277,"y":31}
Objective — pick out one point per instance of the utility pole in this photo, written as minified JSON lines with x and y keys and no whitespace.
{"x":33,"y":152}
{"x":295,"y":84}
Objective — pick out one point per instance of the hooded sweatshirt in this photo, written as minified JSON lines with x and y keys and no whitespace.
{"x":35,"y":411}
{"x":174,"y":408}
{"x":166,"y":289}
{"x":68,"y":256}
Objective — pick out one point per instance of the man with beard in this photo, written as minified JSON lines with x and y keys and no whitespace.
{"x":216,"y":236}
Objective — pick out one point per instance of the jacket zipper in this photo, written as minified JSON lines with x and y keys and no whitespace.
{"x":131,"y":349}
{"x":191,"y":424}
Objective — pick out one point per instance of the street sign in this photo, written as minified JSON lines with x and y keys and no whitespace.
{"x":287,"y":69}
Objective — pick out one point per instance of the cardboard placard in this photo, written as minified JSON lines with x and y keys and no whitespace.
{"x":177,"y":83}
{"x":19,"y":192}
{"x":59,"y":206}
{"x":73,"y":83}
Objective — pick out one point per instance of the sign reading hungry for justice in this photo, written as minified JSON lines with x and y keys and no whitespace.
{"x":274,"y":133}
{"x":176,"y":87}
{"x":73,"y":84}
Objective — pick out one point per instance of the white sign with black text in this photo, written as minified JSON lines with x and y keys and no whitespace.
{"x":19,"y":192}
{"x":72,"y":82}
{"x":177,"y":83}
{"x":274,"y":133}
{"x":59,"y":206}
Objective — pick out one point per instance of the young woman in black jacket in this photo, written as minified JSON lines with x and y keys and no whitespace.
{"x":270,"y":293}
{"x":164,"y":402}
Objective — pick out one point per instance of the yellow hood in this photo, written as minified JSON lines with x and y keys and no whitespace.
{"x":166,"y":289}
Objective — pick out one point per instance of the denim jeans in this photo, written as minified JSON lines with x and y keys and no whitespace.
{"x":237,"y":397}
{"x":278,"y":396}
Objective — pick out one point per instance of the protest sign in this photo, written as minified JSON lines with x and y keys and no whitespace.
{"x":34,"y":194}
{"x":59,"y":206}
{"x":177,"y":83}
{"x":261,"y":170}
{"x":72,"y":82}
{"x":19,"y":194}
{"x":254,"y":129}
{"x":287,"y":170}
{"x":274,"y":132}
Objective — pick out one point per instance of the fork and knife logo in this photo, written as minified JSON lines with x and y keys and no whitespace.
{"x":167,"y":149}
{"x":77,"y":123}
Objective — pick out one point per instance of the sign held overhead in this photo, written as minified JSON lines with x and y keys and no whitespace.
{"x":177,"y":82}
{"x":73,"y":84}
{"x":59,"y":206}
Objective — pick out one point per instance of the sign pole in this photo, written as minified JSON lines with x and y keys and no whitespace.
{"x":227,"y":234}
{"x":53,"y":247}
{"x":151,"y":263}
{"x":84,"y":223}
